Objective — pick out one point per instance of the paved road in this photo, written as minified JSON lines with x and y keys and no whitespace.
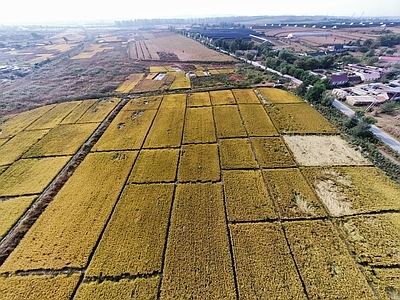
{"x":343,"y":108}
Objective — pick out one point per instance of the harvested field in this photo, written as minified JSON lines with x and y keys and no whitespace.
{"x":264,"y":265}
{"x":247,"y":96}
{"x":237,"y":154}
{"x":78,"y":112}
{"x":223,"y":97}
{"x":327,"y":272}
{"x":148,"y":85}
{"x":140,"y":250}
{"x":129,"y":83}
{"x":246,"y":196}
{"x":143,"y":103}
{"x":271,"y":152}
{"x":228,"y":122}
{"x":276,"y":96}
{"x":198,"y":99}
{"x":256,"y":120}
{"x":99,"y":111}
{"x":199,"y":126}
{"x":198,"y":263}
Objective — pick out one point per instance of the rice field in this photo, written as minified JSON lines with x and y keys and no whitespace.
{"x":129,"y":83}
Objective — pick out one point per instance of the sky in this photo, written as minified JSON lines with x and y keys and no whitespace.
{"x":27,"y":11}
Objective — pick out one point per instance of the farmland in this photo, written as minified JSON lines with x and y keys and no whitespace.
{"x":208,"y":195}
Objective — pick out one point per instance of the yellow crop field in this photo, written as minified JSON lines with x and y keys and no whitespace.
{"x":271,"y":152}
{"x":26,"y":176}
{"x":347,"y":190}
{"x":256,"y":120}
{"x":62,"y":140}
{"x":151,"y":76}
{"x":148,"y":85}
{"x":245,"y":96}
{"x":199,"y":126}
{"x":130,"y":83}
{"x":273,"y":95}
{"x":3,"y":168}
{"x":78,"y":112}
{"x":200,"y":73}
{"x":13,"y":125}
{"x":140,"y":250}
{"x":264,"y":266}
{"x":292,"y":195}
{"x":228,"y":121}
{"x":327,"y":272}
{"x":11,"y":210}
{"x":199,"y":163}
{"x":124,"y":289}
{"x":3,"y":141}
{"x":54,"y":116}
{"x":199,"y":99}
{"x":181,"y":82}
{"x":155,"y":166}
{"x":198,"y":264}
{"x":386,"y":282}
{"x":127,"y":131}
{"x":34,"y":287}
{"x":295,"y":118}
{"x":174,"y":101}
{"x":226,"y":71}
{"x":92,"y":51}
{"x":158,"y":69}
{"x":143,"y":103}
{"x":213,"y":71}
{"x":246,"y":196}
{"x":223,"y":97}
{"x":237,"y":154}
{"x":18,"y":145}
{"x":99,"y":111}
{"x":66,"y":232}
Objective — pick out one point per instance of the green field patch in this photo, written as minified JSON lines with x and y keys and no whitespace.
{"x":245,"y":96}
{"x":199,"y":126}
{"x":263,"y":263}
{"x":197,"y":261}
{"x":228,"y":122}
{"x":223,"y":97}
{"x":246,"y":196}
{"x":257,"y":121}
{"x":353,"y":190}
{"x":292,"y":195}
{"x":127,"y":131}
{"x":34,"y":287}
{"x":373,"y":239}
{"x":54,"y":116}
{"x":271,"y":152}
{"x":327,"y":269}
{"x":236,"y":154}
{"x":173,"y":101}
{"x":155,"y":166}
{"x":199,"y":99}
{"x":99,"y":111}
{"x":145,"y":210}
{"x":26,"y":176}
{"x":386,"y":282}
{"x":124,"y":289}
{"x":79,"y":111}
{"x":66,"y":232}
{"x":11,"y":210}
{"x":298,"y":118}
{"x":199,"y":162}
{"x":18,"y":145}
{"x":62,"y":140}
{"x":143,"y":103}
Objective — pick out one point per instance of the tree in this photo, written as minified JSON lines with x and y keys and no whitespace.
{"x":388,"y":107}
{"x":314,"y":94}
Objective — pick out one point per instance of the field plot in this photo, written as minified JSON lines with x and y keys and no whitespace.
{"x":127,"y":131}
{"x":228,"y":122}
{"x":155,"y":166}
{"x":246,"y":196}
{"x":309,"y":150}
{"x":180,"y":82}
{"x":256,"y":120}
{"x":374,"y":239}
{"x":125,"y":289}
{"x":295,"y":118}
{"x":145,"y":210}
{"x":236,"y":154}
{"x":129,"y":83}
{"x":292,"y":196}
{"x":264,"y":266}
{"x":223,"y":97}
{"x":386,"y":282}
{"x":271,"y":152}
{"x":3,"y":168}
{"x":327,"y":272}
{"x":18,"y":145}
{"x":148,"y":85}
{"x":143,"y":103}
{"x":3,"y":141}
{"x":78,"y":112}
{"x":198,"y":263}
{"x":26,"y":176}
{"x":199,"y":126}
{"x":158,"y":69}
{"x":99,"y":111}
{"x":276,"y":96}
{"x":35,"y":287}
{"x":62,"y":140}
{"x":198,"y":99}
{"x":353,"y":190}
{"x":54,"y":116}
{"x":174,"y":101}
{"x":66,"y":232}
{"x":245,"y":96}
{"x":199,"y":163}
{"x":11,"y":210}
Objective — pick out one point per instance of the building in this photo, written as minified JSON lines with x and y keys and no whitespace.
{"x":339,"y":79}
{"x":296,"y":35}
